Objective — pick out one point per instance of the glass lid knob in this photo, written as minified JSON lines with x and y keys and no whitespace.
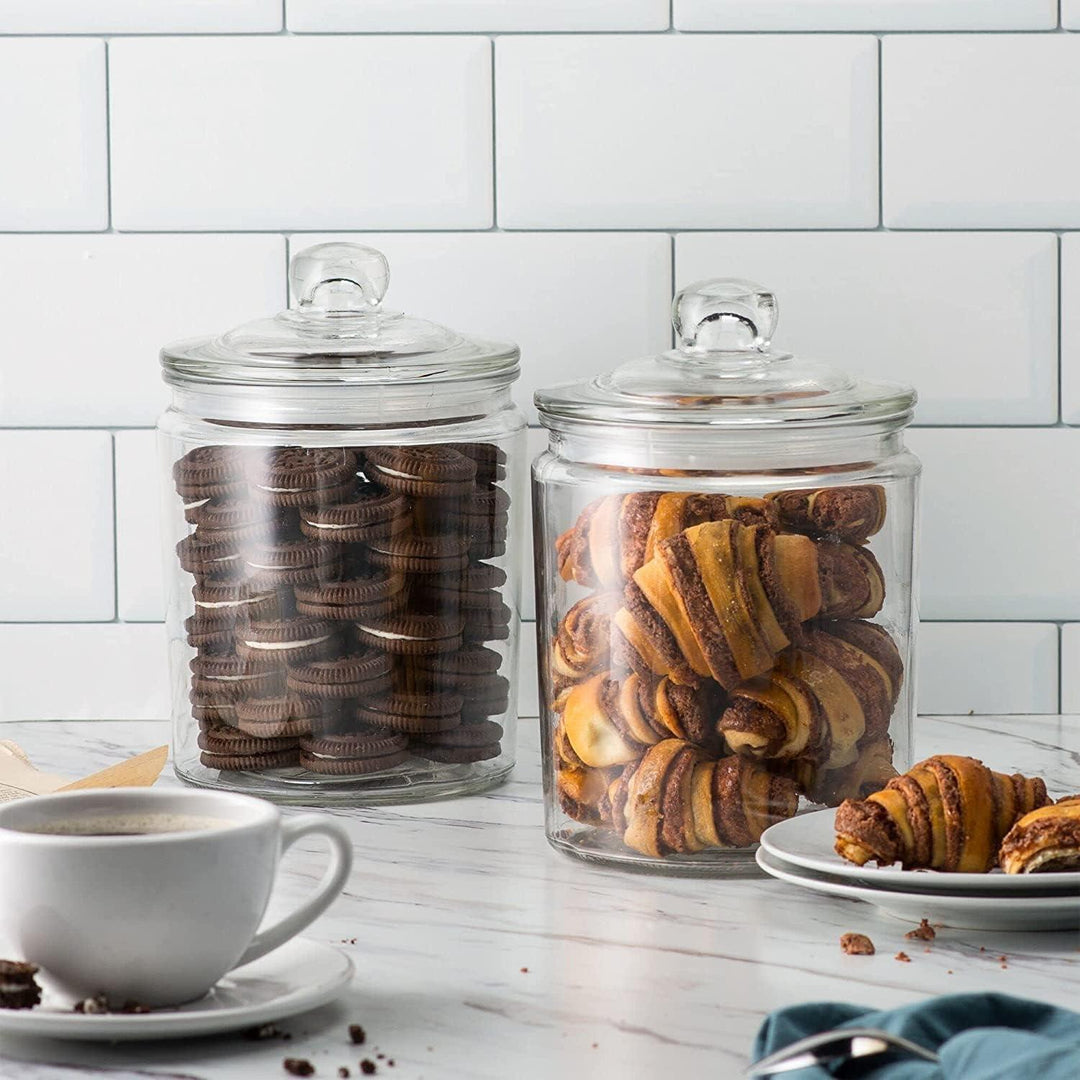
{"x":346,"y":278}
{"x":723,"y":315}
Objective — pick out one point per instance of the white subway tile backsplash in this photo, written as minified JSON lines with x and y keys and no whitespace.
{"x":53,"y":133}
{"x":576,"y":303}
{"x":975,"y":131}
{"x":865,"y":14}
{"x":1070,"y":668}
{"x":58,"y":566}
{"x":138,"y":16}
{"x":1070,"y":328}
{"x":969,"y":319}
{"x":140,"y":592}
{"x":1070,"y":14}
{"x":987,"y":668}
{"x":684,"y":132}
{"x":109,"y":672}
{"x":498,"y":16}
{"x":1000,"y":523}
{"x":90,"y":356}
{"x":301,"y":133}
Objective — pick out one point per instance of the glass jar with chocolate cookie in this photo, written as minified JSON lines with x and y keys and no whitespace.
{"x":725,"y":561}
{"x":344,"y":502}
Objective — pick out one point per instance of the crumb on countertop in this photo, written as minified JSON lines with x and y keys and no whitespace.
{"x":902,"y":957}
{"x":298,"y":1067}
{"x":357,"y":1035}
{"x":923,"y":932}
{"x":368,"y":1067}
{"x":856,"y":944}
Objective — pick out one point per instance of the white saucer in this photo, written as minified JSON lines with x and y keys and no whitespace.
{"x":299,"y":976}
{"x":807,"y":841}
{"x":962,"y":910}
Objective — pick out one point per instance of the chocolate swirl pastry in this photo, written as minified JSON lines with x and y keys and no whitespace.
{"x":582,"y":645}
{"x":678,"y":800}
{"x":947,"y":813}
{"x":852,"y":514}
{"x":721,"y":600}
{"x":616,"y":535}
{"x":821,"y":700}
{"x":1045,"y":840}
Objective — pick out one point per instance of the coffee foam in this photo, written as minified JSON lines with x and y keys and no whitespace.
{"x":127,"y":825}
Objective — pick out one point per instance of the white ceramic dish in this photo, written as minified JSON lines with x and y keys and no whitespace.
{"x":299,"y":976}
{"x":807,"y":841}
{"x":961,"y":910}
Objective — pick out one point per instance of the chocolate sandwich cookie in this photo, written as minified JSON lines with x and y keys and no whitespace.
{"x":18,"y":987}
{"x":209,"y":558}
{"x":353,"y":754}
{"x":281,"y":716}
{"x":368,"y":513}
{"x":490,"y":460}
{"x":462,"y":745}
{"x":408,"y":554}
{"x":293,"y":640}
{"x":415,"y":714}
{"x":355,"y":676}
{"x":459,"y":668}
{"x":425,"y":471}
{"x":408,"y":634}
{"x":211,"y":709}
{"x":237,"y":522}
{"x":302,"y":476}
{"x":374,"y":592}
{"x":223,"y":739}
{"x":254,"y":761}
{"x":210,"y":635}
{"x":225,"y":602}
{"x":230,"y":678}
{"x":491,"y":623}
{"x":209,"y":471}
{"x":293,"y":562}
{"x":476,"y":577}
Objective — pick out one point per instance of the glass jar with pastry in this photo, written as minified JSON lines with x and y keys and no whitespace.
{"x":342,"y":531}
{"x":725,"y":550}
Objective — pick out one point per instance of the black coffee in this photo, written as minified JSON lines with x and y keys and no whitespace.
{"x":148,"y":824}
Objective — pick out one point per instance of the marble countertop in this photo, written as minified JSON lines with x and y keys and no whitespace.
{"x":481,"y":953}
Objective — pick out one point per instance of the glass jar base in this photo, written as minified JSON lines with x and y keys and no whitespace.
{"x":603,"y":848}
{"x":301,"y":788}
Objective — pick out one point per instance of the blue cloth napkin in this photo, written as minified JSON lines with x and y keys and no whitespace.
{"x":977,"y":1036}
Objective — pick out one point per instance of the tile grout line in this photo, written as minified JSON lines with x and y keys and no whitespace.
{"x":1060,"y":327}
{"x":108,"y":137}
{"x":116,"y":533}
{"x":494,"y":145}
{"x":880,"y":131}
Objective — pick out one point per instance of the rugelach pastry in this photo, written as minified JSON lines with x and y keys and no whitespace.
{"x":1045,"y":840}
{"x":616,"y":535}
{"x":677,"y":800}
{"x":721,"y":600}
{"x":852,"y":514}
{"x":822,"y":698}
{"x":948,"y":813}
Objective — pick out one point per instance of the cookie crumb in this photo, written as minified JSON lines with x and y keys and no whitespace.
{"x":524,"y":971}
{"x":357,"y":1035}
{"x":263,"y":1031}
{"x":982,"y":948}
{"x":949,"y":972}
{"x":298,"y":1067}
{"x":595,"y":1045}
{"x":856,"y":945}
{"x":368,"y":1067}
{"x":96,"y":1005}
{"x":902,"y":957}
{"x":343,"y":1072}
{"x":923,"y":932}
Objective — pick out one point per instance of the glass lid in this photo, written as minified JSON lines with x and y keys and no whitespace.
{"x":723,"y":373}
{"x":338,"y":332}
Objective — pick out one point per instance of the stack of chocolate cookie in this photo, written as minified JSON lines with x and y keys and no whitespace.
{"x":341,"y":601}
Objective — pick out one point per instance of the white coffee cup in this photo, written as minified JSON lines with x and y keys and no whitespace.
{"x":159,"y":917}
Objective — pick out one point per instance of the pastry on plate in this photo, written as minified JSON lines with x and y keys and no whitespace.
{"x":1045,"y":840}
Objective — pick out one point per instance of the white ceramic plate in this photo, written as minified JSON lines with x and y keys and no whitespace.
{"x":961,"y":910}
{"x":807,"y":841}
{"x":299,"y":976}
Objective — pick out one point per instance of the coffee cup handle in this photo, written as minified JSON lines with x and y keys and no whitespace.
{"x":333,"y":881}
